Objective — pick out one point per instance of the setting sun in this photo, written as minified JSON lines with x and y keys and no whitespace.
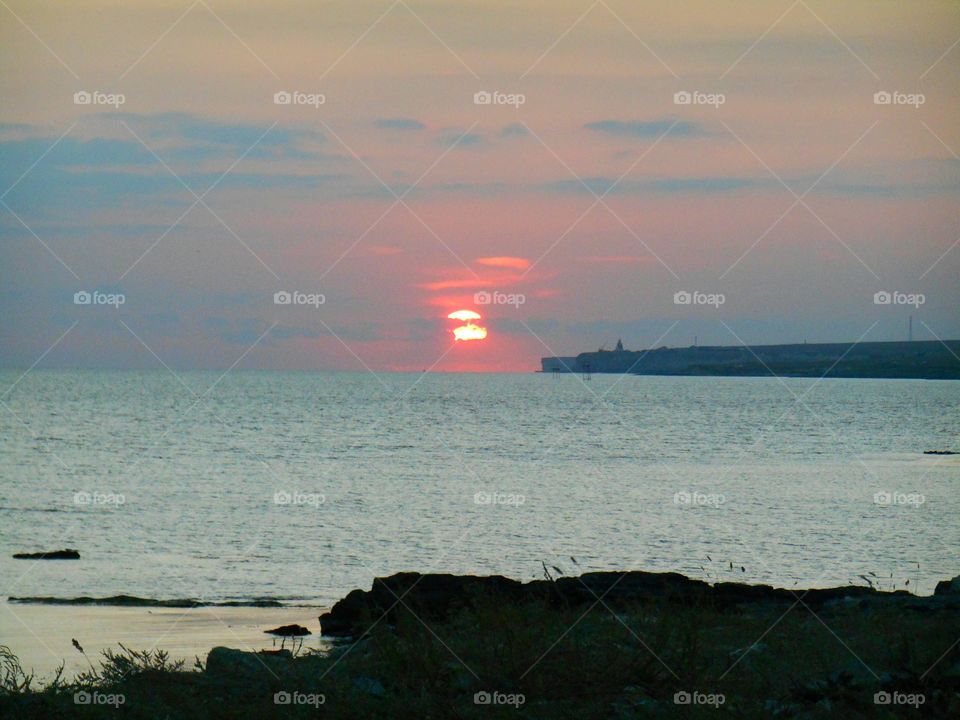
{"x":469,"y":330}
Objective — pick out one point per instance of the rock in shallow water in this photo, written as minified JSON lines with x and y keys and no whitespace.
{"x":65,"y":554}
{"x":288,"y":631}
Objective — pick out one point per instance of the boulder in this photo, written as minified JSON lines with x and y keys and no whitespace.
{"x":227,"y":662}
{"x":948,"y":587}
{"x":434,"y":595}
{"x":288,"y":631}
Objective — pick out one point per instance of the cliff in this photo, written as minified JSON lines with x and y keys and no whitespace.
{"x":918,"y":359}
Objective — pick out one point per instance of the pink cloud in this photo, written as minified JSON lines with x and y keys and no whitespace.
{"x":505,"y":261}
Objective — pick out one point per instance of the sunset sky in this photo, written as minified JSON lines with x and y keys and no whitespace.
{"x":581,"y":203}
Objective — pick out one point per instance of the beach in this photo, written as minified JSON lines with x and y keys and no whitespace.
{"x":40,"y":635}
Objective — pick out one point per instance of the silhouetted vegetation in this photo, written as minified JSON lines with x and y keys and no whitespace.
{"x":562,"y":663}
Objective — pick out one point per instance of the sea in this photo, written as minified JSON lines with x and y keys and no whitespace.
{"x":301,"y":486}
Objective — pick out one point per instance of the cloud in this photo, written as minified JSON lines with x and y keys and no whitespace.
{"x":514,"y":130}
{"x":514,"y":263}
{"x":400,"y":124}
{"x":450,"y":136}
{"x":109,"y":166}
{"x":72,"y":151}
{"x":646,"y":129}
{"x":189,"y":127}
{"x":456,"y":284}
{"x":694,"y":185}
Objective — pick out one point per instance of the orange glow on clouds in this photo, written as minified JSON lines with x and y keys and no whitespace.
{"x":514,"y":263}
{"x":469,"y":330}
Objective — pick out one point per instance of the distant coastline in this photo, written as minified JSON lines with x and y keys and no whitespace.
{"x":922,"y":360}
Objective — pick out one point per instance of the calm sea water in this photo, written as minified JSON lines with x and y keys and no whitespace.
{"x":303,"y":486}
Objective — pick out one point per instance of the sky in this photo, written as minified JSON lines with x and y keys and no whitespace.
{"x":573,"y":172}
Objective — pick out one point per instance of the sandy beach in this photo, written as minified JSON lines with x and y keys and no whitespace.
{"x":40,"y":635}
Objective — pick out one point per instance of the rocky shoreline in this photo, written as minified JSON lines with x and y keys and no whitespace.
{"x":603,"y":645}
{"x":438,"y":596}
{"x":134,"y":601}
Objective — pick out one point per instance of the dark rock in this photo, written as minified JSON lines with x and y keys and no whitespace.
{"x":66,"y":554}
{"x":440,"y":595}
{"x":940,"y":452}
{"x":948,"y":587}
{"x":227,"y":662}
{"x":288,"y":631}
{"x":426,"y":595}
